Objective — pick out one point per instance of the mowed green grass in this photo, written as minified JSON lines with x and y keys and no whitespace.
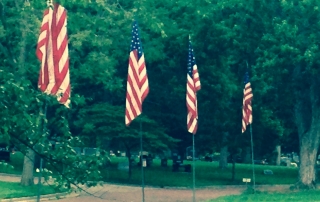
{"x":302,"y":196}
{"x":15,"y":190}
{"x":14,"y":166}
{"x":207,"y":174}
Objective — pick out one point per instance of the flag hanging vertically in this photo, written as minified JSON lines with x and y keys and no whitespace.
{"x":52,"y":51}
{"x":247,"y":108}
{"x":137,"y":83}
{"x":193,"y":85}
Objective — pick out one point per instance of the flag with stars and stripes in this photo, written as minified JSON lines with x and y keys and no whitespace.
{"x":193,"y":85}
{"x":52,"y":52}
{"x":247,"y":108}
{"x":137,"y":83}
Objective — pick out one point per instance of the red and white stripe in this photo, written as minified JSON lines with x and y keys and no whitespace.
{"x":52,"y":52}
{"x":137,"y":86}
{"x":247,"y":108}
{"x":193,"y":85}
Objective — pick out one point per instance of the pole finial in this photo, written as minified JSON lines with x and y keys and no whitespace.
{"x":50,"y":3}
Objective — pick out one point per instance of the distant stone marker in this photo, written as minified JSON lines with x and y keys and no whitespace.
{"x":268,"y":172}
{"x":4,"y":154}
{"x":123,"y":166}
{"x":78,"y":150}
{"x":90,"y":151}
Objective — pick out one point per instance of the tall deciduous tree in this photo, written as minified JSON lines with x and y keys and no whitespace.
{"x":278,"y":40}
{"x":21,"y":101}
{"x":104,"y":125}
{"x":289,"y":58}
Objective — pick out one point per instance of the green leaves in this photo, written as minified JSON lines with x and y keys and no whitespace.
{"x":108,"y":125}
{"x":277,"y":42}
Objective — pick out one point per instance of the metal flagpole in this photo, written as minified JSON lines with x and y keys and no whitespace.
{"x":253,"y":177}
{"x":142,"y":161}
{"x":50,"y":5}
{"x":41,"y":160}
{"x":39,"y":181}
{"x":193,"y":171}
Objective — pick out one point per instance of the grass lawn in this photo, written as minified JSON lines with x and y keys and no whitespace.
{"x":302,"y":196}
{"x":207,"y":174}
{"x":15,"y":190}
{"x":14,"y":166}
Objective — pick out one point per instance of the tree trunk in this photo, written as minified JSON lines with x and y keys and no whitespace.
{"x":128,"y":153}
{"x":278,"y":159}
{"x":233,"y":168}
{"x":223,"y":163}
{"x":247,"y":155}
{"x":307,"y":115}
{"x":27,"y":172}
{"x":29,"y":158}
{"x":28,"y":163}
{"x":308,"y":155}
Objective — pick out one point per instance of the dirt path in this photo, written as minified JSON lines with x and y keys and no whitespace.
{"x":111,"y":193}
{"x":120,"y":193}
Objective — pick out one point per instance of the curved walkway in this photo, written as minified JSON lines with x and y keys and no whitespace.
{"x":120,"y":193}
{"x":111,"y":193}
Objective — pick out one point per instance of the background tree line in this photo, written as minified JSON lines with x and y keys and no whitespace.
{"x":277,"y":41}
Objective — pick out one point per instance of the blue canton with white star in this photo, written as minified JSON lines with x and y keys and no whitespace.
{"x":246,"y":78}
{"x":191,"y":60}
{"x":135,"y":41}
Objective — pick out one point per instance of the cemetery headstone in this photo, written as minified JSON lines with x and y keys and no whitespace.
{"x":267,"y":172}
{"x":176,"y":162}
{"x":123,"y":166}
{"x":4,"y":153}
{"x":78,"y":150}
{"x":176,"y":159}
{"x":147,"y":158}
{"x":187,"y":168}
{"x":164,"y":162}
{"x":90,"y":151}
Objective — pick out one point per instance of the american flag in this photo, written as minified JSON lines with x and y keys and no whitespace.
{"x":247,"y":108}
{"x":52,"y":51}
{"x":137,"y":83}
{"x":193,"y":85}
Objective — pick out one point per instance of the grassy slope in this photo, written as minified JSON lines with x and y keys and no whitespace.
{"x":15,"y":190}
{"x":16,"y":160}
{"x":207,"y":174}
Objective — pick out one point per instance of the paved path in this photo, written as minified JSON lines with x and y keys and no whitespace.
{"x":119,"y":193}
{"x":111,"y":193}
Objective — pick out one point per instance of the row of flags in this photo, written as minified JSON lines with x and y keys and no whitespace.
{"x":54,"y":77}
{"x":138,"y":86}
